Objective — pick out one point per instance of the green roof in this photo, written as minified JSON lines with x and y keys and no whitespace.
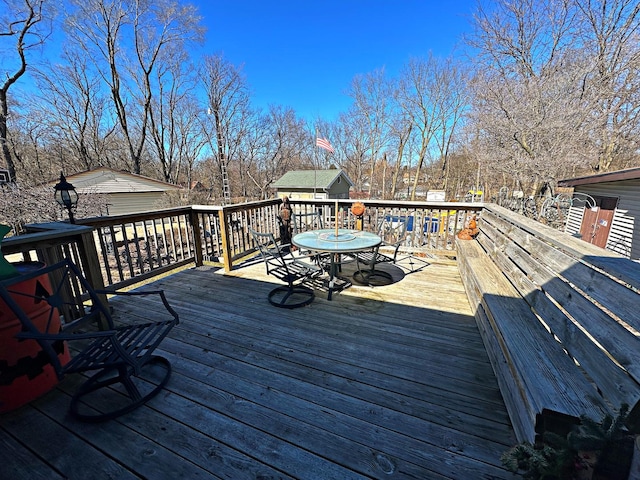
{"x":309,"y":179}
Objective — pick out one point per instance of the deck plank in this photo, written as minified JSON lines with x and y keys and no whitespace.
{"x":380,"y":382}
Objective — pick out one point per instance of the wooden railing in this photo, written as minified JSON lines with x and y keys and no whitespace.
{"x":121,"y":250}
{"x":51,"y":242}
{"x":432,"y":225}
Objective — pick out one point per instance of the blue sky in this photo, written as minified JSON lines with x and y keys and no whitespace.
{"x":304,"y":55}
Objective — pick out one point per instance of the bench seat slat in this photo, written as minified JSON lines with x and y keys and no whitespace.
{"x":537,"y":285}
{"x":559,"y":317}
{"x":615,"y":296}
{"x":546,"y":378}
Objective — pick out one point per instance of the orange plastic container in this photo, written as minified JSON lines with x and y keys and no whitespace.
{"x":26,"y":371}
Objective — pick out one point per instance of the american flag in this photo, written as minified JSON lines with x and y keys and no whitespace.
{"x":324,"y":143}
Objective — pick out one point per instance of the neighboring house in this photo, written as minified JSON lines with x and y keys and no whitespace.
{"x":126,"y":192}
{"x":313,"y":184}
{"x":197,"y":186}
{"x":606,"y":210}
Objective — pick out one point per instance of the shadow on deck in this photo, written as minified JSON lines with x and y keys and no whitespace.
{"x":384,"y":382}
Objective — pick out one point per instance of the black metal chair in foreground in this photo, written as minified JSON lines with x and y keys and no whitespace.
{"x":117,"y":354}
{"x":287,"y":268}
{"x":393,"y":232}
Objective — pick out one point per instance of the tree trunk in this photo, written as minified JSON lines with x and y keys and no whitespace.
{"x":6,"y":153}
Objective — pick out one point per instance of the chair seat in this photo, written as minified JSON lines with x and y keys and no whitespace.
{"x":373,"y":257}
{"x":134,"y":343}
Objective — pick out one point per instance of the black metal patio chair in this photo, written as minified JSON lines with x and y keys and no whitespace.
{"x":393,"y":232}
{"x":304,"y":222}
{"x":287,"y":268}
{"x":71,"y":314}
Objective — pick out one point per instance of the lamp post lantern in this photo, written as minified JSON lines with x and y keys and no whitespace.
{"x":66,"y":196}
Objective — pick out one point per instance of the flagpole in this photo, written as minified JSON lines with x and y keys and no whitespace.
{"x":322,"y":143}
{"x":315,"y":162}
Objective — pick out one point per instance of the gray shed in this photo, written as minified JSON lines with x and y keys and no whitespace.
{"x":310,"y":184}
{"x":606,"y":210}
{"x":126,"y":192}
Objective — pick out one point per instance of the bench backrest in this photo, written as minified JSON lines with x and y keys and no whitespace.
{"x":587,"y":297}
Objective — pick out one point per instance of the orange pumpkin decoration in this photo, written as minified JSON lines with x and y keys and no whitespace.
{"x":472,"y":223}
{"x":357,"y":209}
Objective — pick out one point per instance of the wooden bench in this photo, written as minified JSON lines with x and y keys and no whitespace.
{"x":559,"y":318}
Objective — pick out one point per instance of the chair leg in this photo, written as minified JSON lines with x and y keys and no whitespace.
{"x":371,"y":277}
{"x":293,"y":296}
{"x":129,"y":401}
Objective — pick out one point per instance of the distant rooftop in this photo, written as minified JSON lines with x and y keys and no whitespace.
{"x":309,"y":179}
{"x":618,"y":175}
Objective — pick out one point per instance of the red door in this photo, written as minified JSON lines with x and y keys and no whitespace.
{"x":596,"y":222}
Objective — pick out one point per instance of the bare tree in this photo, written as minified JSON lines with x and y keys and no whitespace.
{"x":556,"y":87}
{"x":187,"y":141}
{"x":283,"y":138}
{"x":162,"y":31}
{"x":227,"y":106}
{"x":76,"y":109}
{"x":423,"y":99}
{"x":22,"y":28}
{"x":354,"y":130}
{"x":400,"y":133}
{"x":527,"y":114}
{"x":453,"y":80}
{"x":176,"y":124}
{"x":96,"y":28}
{"x":132,"y":45}
{"x":610,"y":33}
{"x":372,"y":94}
{"x":33,"y":161}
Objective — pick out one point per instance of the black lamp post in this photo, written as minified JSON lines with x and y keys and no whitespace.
{"x":66,"y":196}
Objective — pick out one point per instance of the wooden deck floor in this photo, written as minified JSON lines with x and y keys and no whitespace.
{"x":384,"y":382}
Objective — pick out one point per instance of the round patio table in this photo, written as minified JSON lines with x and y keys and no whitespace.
{"x":326,"y":241}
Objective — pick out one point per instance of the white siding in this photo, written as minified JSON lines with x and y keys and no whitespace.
{"x":574,"y":220}
{"x":302,"y":194}
{"x":123,"y":203}
{"x":624,"y":237}
{"x":126,"y":192}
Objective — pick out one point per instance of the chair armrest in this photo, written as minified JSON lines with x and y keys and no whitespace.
{"x":393,"y":245}
{"x":163,"y":298}
{"x":63,"y":335}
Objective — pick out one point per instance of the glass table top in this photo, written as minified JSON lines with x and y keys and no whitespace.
{"x":325,"y":240}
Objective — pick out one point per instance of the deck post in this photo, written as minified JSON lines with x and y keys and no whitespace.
{"x":226,"y":244}
{"x":197,"y":238}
